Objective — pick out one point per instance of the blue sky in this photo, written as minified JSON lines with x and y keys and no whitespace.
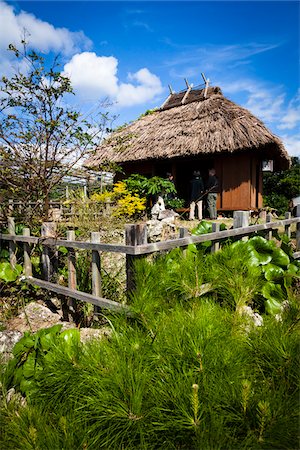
{"x":130,"y":51}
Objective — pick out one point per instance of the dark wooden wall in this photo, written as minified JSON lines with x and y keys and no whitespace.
{"x":239,"y":174}
{"x":241,"y":181}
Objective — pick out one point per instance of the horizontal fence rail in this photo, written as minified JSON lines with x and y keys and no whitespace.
{"x":59,"y":210}
{"x":78,"y":295}
{"x":135,"y":246}
{"x":144,"y":249}
{"x":214,"y":236}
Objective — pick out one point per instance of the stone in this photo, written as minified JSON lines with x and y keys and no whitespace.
{"x":157,"y":208}
{"x":88,"y":334}
{"x":168,"y":214}
{"x":8,"y":339}
{"x":154,"y":230}
{"x":252,"y":318}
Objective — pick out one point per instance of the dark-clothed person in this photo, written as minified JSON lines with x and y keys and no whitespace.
{"x":212,"y":190}
{"x":197,"y":189}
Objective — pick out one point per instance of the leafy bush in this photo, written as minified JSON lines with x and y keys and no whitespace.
{"x":8,"y":274}
{"x":280,"y":187}
{"x":174,"y":203}
{"x":30,"y":356}
{"x":144,"y":186}
{"x":194,"y":381}
{"x":277,"y":201}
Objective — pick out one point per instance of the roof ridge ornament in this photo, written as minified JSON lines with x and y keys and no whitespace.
{"x":206,"y":81}
{"x":169,"y":96}
{"x":189,"y":88}
{"x":171,"y":89}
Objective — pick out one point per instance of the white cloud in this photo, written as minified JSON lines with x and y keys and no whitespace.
{"x":92,"y":75}
{"x":41,"y":35}
{"x":266,"y":102}
{"x":216,"y":58}
{"x":292,"y":144}
{"x":291,"y":118}
{"x":269,"y":103}
{"x":144,"y":25}
{"x":265,"y":106}
{"x":95,"y":76}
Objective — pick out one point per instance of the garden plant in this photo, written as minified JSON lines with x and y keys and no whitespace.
{"x":189,"y":369}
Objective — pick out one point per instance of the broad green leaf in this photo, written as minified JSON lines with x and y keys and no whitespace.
{"x":223,"y":226}
{"x":70,"y":336}
{"x":273,"y":272}
{"x":29,"y":367}
{"x":47,"y":341}
{"x":259,"y":259}
{"x":7,"y":273}
{"x":273,"y":307}
{"x":280,"y":258}
{"x":203,"y":227}
{"x":192,"y":248}
{"x":272,"y":291}
{"x":261,"y":245}
{"x":292,"y":270}
{"x":54,"y":330}
{"x":24,"y":344}
{"x":238,"y":244}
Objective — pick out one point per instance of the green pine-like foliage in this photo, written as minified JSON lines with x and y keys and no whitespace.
{"x":185,"y":371}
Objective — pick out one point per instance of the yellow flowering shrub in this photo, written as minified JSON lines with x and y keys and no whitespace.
{"x":125,"y":203}
{"x":120,"y":189}
{"x":101,"y":198}
{"x":130,"y":205}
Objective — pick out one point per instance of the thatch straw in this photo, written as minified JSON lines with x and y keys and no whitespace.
{"x":200,"y":126}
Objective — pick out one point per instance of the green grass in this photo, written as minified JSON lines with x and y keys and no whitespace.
{"x":183,"y":373}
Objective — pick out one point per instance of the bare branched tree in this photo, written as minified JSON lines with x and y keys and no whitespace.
{"x":41,"y":137}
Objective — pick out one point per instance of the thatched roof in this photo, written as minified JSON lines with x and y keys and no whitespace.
{"x":190,"y":124}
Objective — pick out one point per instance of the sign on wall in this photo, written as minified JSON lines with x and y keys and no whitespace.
{"x":267,"y":165}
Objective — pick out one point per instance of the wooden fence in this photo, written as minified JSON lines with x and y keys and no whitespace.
{"x":59,"y":210}
{"x":136,"y":246}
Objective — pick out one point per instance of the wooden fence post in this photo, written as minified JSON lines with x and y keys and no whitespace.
{"x":107,"y":209}
{"x":72,"y":277}
{"x":183,"y":232}
{"x":96,"y":269}
{"x":12,"y":244}
{"x":135,"y":234}
{"x":269,"y":232}
{"x":263,"y":215}
{"x":96,"y":266}
{"x":287,"y":228}
{"x":240,"y":219}
{"x":49,"y":254}
{"x":215,"y":245}
{"x":10,"y":207}
{"x":27,"y":254}
{"x":298,"y":228}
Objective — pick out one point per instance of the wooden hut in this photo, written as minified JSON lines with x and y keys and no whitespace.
{"x":198,"y":129}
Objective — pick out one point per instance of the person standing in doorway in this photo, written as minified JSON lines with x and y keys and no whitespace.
{"x":197,"y":188}
{"x":212,"y":190}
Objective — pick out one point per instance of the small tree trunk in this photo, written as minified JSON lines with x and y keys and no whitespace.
{"x":46,"y":206}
